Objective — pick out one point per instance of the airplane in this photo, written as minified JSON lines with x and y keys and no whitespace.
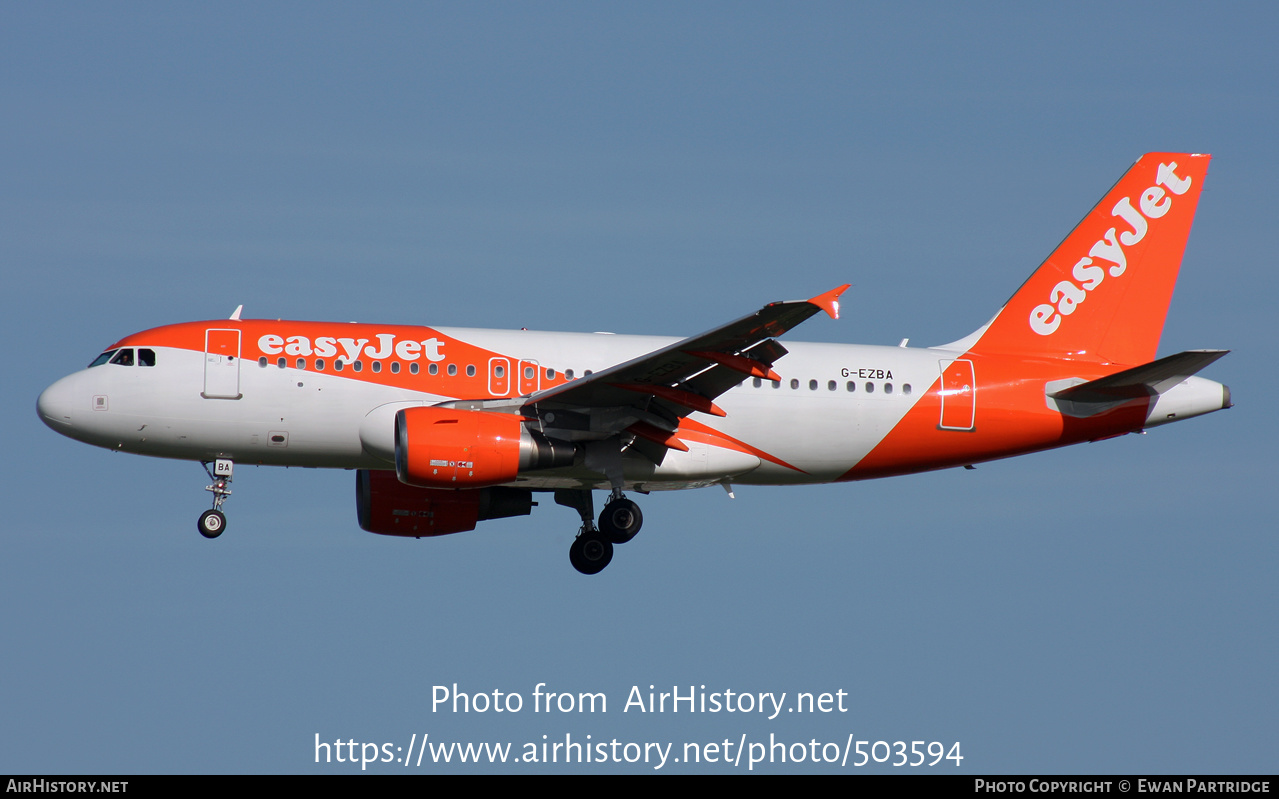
{"x":448,"y":427}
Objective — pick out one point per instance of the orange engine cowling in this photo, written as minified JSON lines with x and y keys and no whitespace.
{"x":386,"y":506}
{"x":448,"y":448}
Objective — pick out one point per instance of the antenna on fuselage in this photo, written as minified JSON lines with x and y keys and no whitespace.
{"x":236,"y":313}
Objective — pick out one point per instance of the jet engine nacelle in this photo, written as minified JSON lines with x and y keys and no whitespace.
{"x":448,"y":448}
{"x":386,"y":506}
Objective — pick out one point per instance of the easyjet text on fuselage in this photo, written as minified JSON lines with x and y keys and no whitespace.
{"x":381,"y":346}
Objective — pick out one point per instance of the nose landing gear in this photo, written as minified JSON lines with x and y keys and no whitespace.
{"x":213,"y":522}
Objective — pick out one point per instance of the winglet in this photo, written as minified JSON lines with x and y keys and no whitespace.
{"x":829,"y":302}
{"x":236,"y":313}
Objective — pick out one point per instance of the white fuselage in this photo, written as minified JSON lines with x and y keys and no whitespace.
{"x":834,"y":405}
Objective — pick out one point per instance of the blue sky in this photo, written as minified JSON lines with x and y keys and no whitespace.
{"x":656,"y":168}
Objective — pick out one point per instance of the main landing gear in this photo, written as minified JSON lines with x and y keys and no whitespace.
{"x":620,"y":520}
{"x":213,"y":522}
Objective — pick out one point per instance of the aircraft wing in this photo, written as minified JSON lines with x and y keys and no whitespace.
{"x":647,"y":396}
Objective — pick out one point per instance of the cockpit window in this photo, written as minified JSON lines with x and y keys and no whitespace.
{"x":123,"y":357}
{"x":103,"y":358}
{"x":146,"y":357}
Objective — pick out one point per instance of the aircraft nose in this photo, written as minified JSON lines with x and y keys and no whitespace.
{"x":55,"y":406}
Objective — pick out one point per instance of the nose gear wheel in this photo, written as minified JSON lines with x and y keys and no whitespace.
{"x":212,"y":523}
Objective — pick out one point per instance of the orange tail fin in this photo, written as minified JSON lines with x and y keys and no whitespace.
{"x":1104,"y":292}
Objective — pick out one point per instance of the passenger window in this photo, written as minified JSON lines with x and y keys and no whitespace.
{"x":146,"y":357}
{"x":377,"y":367}
{"x":281,"y":362}
{"x":395,"y":367}
{"x":831,"y":386}
{"x":528,"y":373}
{"x":812,"y":385}
{"x":123,"y":358}
{"x":550,"y":374}
{"x":568,"y":375}
{"x":470,"y":371}
{"x":888,"y":388}
{"x":499,"y":371}
{"x":757,"y":382}
{"x":262,"y":361}
{"x":357,"y":365}
{"x":870,"y":387}
{"x":851,"y":387}
{"x":794,"y":383}
{"x":301,"y":363}
{"x":337,"y":364}
{"x":906,"y":389}
{"x":452,"y":369}
{"x":433,"y":369}
{"x":776,"y":383}
{"x":103,"y":358}
{"x":319,"y":364}
{"x":413,"y":367}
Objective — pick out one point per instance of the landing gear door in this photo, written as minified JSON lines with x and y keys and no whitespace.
{"x":958,"y":395}
{"x":221,"y":364}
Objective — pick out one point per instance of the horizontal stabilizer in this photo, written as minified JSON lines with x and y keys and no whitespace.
{"x":1147,"y":380}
